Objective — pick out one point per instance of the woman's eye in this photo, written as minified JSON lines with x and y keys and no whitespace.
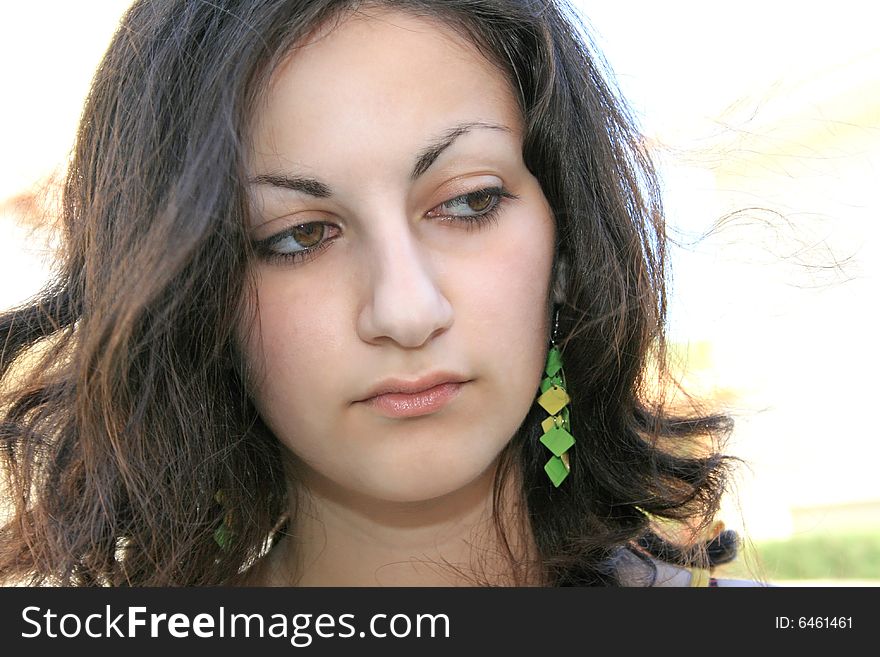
{"x":307,"y":235}
{"x":297,"y":241}
{"x":471,"y":206}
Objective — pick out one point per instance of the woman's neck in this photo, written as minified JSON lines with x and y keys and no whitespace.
{"x":340,"y":539}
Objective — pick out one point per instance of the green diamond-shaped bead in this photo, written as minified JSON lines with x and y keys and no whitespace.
{"x":553,"y":400}
{"x":223,"y":536}
{"x":556,"y":470}
{"x":554,"y":361}
{"x":557,"y":441}
{"x":549,"y":381}
{"x":551,"y":422}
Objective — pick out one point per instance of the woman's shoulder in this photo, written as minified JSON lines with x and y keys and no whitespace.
{"x":671,"y":575}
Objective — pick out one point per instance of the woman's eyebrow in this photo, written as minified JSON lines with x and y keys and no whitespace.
{"x":425,"y":159}
{"x":308,"y":186}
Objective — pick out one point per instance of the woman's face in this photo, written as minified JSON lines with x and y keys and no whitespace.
{"x":404,"y":248}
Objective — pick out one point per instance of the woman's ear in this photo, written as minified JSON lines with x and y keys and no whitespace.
{"x":559,"y":285}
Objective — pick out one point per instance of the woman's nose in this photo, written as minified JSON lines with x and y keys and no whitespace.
{"x":404,"y":301}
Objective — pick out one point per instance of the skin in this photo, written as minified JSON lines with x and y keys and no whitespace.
{"x":401,"y":290}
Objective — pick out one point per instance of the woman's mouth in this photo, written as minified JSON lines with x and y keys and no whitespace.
{"x":414,"y":404}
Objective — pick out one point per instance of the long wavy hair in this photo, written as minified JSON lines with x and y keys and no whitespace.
{"x":127,"y":434}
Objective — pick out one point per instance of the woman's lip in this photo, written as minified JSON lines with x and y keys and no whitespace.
{"x":399,"y":404}
{"x":413,"y":386}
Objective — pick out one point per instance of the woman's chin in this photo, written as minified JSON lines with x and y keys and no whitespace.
{"x":411,"y":483}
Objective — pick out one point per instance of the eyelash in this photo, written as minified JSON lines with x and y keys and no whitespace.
{"x":474,"y":222}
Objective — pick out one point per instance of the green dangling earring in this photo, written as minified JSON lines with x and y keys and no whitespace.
{"x":224,"y":534}
{"x":555,"y":400}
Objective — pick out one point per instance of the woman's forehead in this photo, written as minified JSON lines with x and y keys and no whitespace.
{"x":378,"y":81}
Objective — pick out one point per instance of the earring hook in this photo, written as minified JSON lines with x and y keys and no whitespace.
{"x":555,"y":334}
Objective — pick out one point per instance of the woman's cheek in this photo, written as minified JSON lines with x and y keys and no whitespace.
{"x":292,"y":337}
{"x":513,"y":272}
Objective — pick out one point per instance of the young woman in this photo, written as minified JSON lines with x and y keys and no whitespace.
{"x":354,"y":293}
